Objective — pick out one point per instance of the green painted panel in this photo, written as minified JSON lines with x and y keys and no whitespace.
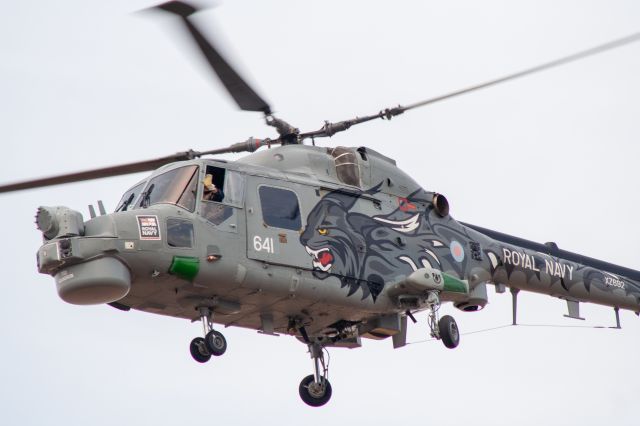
{"x":454,"y":285}
{"x":185,"y":267}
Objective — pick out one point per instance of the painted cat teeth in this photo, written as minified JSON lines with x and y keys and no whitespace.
{"x":315,"y":254}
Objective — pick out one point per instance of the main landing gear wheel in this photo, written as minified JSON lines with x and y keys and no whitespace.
{"x":444,"y":329}
{"x":313,"y":393}
{"x":213,"y":342}
{"x":199,"y":350}
{"x":448,"y":330}
{"x":216,"y":343}
{"x":315,"y":389}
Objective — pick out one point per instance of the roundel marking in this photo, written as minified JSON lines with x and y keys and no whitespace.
{"x":457,"y":251}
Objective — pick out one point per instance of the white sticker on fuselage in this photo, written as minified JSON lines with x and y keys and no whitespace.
{"x":149,"y":227}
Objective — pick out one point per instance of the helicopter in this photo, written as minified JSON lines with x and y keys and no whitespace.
{"x":380,"y":199}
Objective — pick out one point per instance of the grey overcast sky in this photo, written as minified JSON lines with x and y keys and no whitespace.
{"x":85,"y":84}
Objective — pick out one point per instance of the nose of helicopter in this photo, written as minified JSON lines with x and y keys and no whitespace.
{"x":80,"y":258}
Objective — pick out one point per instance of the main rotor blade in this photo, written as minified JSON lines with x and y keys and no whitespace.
{"x":249,"y":145}
{"x":329,"y":129}
{"x":141,"y":166}
{"x":246,"y":98}
{"x":552,"y":64}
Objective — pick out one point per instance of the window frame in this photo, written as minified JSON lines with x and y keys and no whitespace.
{"x":133,"y":205}
{"x":176,"y":197}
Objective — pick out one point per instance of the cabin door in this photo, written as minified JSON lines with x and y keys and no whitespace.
{"x":276,"y":217}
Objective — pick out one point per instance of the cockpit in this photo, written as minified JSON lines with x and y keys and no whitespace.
{"x":211,"y":190}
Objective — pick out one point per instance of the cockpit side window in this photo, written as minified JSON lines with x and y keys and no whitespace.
{"x":127,"y":202}
{"x":222,"y":191}
{"x":176,"y":186}
{"x":234,"y":188}
{"x":179,"y":233}
{"x":213,"y":185}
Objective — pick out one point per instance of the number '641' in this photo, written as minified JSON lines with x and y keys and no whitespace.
{"x":263,"y":244}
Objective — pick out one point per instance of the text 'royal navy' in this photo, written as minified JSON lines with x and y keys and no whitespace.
{"x":528,"y":261}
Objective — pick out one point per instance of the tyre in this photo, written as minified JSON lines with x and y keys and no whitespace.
{"x":314,"y":394}
{"x":449,"y":331}
{"x":199,"y":351}
{"x":216,"y":343}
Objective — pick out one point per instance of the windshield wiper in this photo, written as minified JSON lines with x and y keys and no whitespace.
{"x":125,"y":204}
{"x":146,"y":198}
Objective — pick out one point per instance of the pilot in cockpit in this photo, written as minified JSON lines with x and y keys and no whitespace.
{"x":211,"y":192}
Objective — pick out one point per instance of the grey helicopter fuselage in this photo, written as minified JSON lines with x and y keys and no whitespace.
{"x":328,"y":239}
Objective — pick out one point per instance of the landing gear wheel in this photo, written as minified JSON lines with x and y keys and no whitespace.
{"x":199,"y":351}
{"x":449,"y":331}
{"x":313,"y":393}
{"x":216,"y":343}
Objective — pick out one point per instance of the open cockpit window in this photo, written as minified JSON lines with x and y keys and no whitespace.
{"x":177,"y":186}
{"x":128,"y":200}
{"x":213,"y":185}
{"x":347,"y":167}
{"x":222,"y":193}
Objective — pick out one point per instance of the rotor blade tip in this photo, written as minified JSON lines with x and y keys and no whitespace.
{"x":178,"y":7}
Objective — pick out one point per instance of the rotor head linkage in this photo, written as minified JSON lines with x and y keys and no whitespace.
{"x":330,"y":129}
{"x":250,"y":145}
{"x":287,"y":132}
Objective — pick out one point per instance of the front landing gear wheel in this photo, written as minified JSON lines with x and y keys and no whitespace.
{"x":216,"y":343}
{"x":449,"y":331}
{"x":199,"y":350}
{"x":313,"y":393}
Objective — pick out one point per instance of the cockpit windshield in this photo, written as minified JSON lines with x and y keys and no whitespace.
{"x":129,"y":198}
{"x":177,"y":186}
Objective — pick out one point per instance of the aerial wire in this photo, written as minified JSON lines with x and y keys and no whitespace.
{"x":499,"y":327}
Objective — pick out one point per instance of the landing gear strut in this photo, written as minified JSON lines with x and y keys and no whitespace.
{"x":315,"y":389}
{"x":213,"y":342}
{"x":444,"y":329}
